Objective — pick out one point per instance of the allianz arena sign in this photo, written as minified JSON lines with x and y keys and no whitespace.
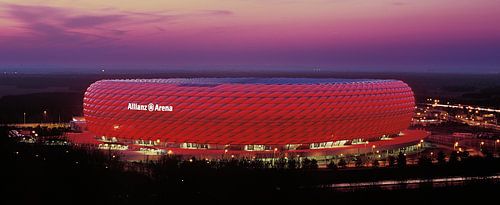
{"x":150,"y":107}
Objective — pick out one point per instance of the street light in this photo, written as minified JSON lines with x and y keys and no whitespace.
{"x":373,"y":153}
{"x":481,"y":146}
{"x":455,"y":145}
{"x":45,"y":116}
{"x":365,"y":147}
{"x":418,"y":148}
{"x":274,"y":154}
{"x":24,"y":117}
{"x":496,"y":141}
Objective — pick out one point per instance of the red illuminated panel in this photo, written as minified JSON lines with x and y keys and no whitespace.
{"x":248,"y":111}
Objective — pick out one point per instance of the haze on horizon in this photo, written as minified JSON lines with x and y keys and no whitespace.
{"x":374,"y":35}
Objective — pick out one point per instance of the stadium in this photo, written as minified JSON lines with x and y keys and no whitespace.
{"x":254,"y":116}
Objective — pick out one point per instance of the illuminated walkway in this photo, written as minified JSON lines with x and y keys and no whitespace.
{"x":410,"y":138}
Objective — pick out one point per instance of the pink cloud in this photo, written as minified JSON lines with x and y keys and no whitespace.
{"x":79,"y":26}
{"x":92,"y":21}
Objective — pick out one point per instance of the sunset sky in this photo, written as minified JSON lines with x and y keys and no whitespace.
{"x":373,"y":35}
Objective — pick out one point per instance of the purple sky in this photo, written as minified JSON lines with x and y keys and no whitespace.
{"x":375,"y":35}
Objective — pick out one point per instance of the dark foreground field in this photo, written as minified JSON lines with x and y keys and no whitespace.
{"x":41,"y":174}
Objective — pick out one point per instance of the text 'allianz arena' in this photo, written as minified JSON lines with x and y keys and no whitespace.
{"x":248,"y":111}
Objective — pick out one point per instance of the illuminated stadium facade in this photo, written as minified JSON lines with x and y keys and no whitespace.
{"x":251,"y":115}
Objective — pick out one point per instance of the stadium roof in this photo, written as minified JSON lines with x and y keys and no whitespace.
{"x":266,"y":81}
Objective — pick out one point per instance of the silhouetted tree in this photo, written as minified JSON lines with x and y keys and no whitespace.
{"x":453,"y":158}
{"x":424,"y":161}
{"x":342,"y":163}
{"x":488,"y":155}
{"x":259,"y":164}
{"x":280,"y":163}
{"x":358,"y":162}
{"x":314,"y":164}
{"x":331,"y":165}
{"x":441,"y":158}
{"x":292,"y":164}
{"x":464,"y":155}
{"x":391,"y":160}
{"x":401,"y":160}
{"x":306,"y":163}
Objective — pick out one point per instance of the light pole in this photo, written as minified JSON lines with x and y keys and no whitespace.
{"x":373,"y":153}
{"x":455,"y":145}
{"x":481,"y":146}
{"x":366,"y":153}
{"x":24,"y":117}
{"x":274,"y":154}
{"x":418,"y":150}
{"x":45,"y":116}
{"x":496,"y":141}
